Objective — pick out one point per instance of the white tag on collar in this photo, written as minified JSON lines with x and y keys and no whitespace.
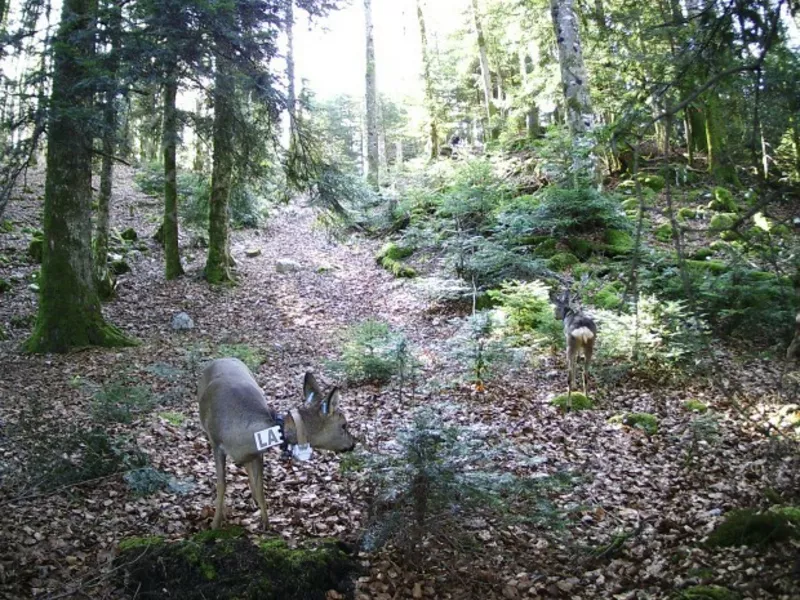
{"x":267,"y":438}
{"x":302,"y":452}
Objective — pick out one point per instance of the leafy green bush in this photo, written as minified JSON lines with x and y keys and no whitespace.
{"x":748,"y":527}
{"x":437,"y":479}
{"x":475,"y":192}
{"x":528,"y":309}
{"x":723,"y":201}
{"x":618,"y":242}
{"x":644,"y":421}
{"x":562,"y":261}
{"x":663,"y":233}
{"x":486,"y":262}
{"x":722,"y":221}
{"x":372,"y":352}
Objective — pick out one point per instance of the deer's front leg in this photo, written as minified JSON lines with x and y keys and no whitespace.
{"x":255,"y":474}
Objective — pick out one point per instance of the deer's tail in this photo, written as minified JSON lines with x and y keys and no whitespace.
{"x":583,"y":334}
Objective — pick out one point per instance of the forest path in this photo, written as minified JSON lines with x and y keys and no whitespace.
{"x":622,"y":481}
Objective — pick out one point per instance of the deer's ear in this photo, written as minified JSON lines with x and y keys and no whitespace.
{"x":331,"y":402}
{"x":311,"y":390}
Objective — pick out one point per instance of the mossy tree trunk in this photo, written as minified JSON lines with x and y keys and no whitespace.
{"x":218,"y":261}
{"x":719,"y":162}
{"x":103,"y":277}
{"x":430,"y":103}
{"x":169,"y":146}
{"x":373,"y":157}
{"x":69,"y":307}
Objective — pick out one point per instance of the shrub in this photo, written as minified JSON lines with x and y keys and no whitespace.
{"x":686,"y":213}
{"x":475,"y":192}
{"x":372,"y":352}
{"x":748,"y":527}
{"x":608,"y":297}
{"x":436,"y":479}
{"x":581,"y":247}
{"x":121,"y":401}
{"x":654,"y":182}
{"x":487,"y":262}
{"x":576,"y":402}
{"x":722,"y":221}
{"x":528,"y":308}
{"x":707,"y":592}
{"x":618,"y":242}
{"x":644,"y":421}
{"x":563,"y":213}
{"x":723,"y":201}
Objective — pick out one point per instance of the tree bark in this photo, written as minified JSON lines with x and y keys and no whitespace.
{"x":430,"y":103}
{"x":574,"y":81}
{"x":69,"y":307}
{"x":719,"y":163}
{"x":218,"y":262}
{"x":486,"y":76}
{"x":373,"y":158}
{"x":198,"y":165}
{"x":169,"y":145}
{"x":103,"y":277}
{"x":291,"y":96}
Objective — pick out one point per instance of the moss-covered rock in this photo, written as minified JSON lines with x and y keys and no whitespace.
{"x":654,"y":182}
{"x":119,"y":266}
{"x":618,"y":242}
{"x":575,"y":403}
{"x":687,"y":214}
{"x":729,"y":236}
{"x":723,"y":201}
{"x":717,"y":267}
{"x":398,"y":269}
{"x":708,"y":592}
{"x":695,"y":405}
{"x":609,"y":296}
{"x":36,"y":248}
{"x":644,"y":421}
{"x":393,"y":251}
{"x":5,"y":286}
{"x":545,"y":248}
{"x":663,"y":232}
{"x":702,"y":253}
{"x":630,"y":204}
{"x":748,"y":527}
{"x":562,"y":260}
{"x":223,"y":564}
{"x":722,"y":221}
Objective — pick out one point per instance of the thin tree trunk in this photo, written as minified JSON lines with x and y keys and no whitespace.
{"x":398,"y":155}
{"x":795,"y":126}
{"x":574,"y":81}
{"x":103,"y":277}
{"x":373,"y":158}
{"x":198,"y":165}
{"x":719,"y":163}
{"x":218,"y":263}
{"x":430,"y":103}
{"x":169,"y":144}
{"x":291,"y":97}
{"x":69,"y":307}
{"x":486,"y":76}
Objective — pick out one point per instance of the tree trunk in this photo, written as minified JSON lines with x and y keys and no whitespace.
{"x":398,"y":155}
{"x":719,"y":163}
{"x":291,"y":96}
{"x":373,"y":158}
{"x":198,"y":165}
{"x":103,"y":277}
{"x":218,"y":262}
{"x":532,"y":126}
{"x":795,"y":126}
{"x":600,"y":16}
{"x":69,"y":308}
{"x":573,"y":73}
{"x":430,"y":103}
{"x":486,"y":76}
{"x":170,"y":143}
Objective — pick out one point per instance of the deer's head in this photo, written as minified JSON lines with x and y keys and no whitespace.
{"x":325,"y":424}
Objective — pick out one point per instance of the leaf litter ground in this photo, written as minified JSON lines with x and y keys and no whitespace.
{"x":638,"y":515}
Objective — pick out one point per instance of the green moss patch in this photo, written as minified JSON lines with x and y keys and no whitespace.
{"x":687,"y":214}
{"x":562,"y":260}
{"x":695,"y":406}
{"x":576,"y":403}
{"x":36,"y":248}
{"x":5,"y":286}
{"x":723,"y":201}
{"x":609,"y":296}
{"x":717,"y":267}
{"x":748,"y":527}
{"x":389,"y":257}
{"x":224,"y":565}
{"x":173,"y":418}
{"x":630,"y":204}
{"x":580,"y":247}
{"x":644,"y":421}
{"x":654,"y":182}
{"x":708,"y":592}
{"x":663,"y":233}
{"x":618,"y":242}
{"x":722,"y":221}
{"x":702,"y":253}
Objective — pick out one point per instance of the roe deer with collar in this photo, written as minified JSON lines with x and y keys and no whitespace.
{"x":580,"y":332}
{"x":234,"y":412}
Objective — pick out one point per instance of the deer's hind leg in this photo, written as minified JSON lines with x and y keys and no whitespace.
{"x":588,"y":350}
{"x":219,"y":464}
{"x":255,"y":475}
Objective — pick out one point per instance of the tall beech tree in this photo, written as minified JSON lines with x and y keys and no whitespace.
{"x":69,"y":307}
{"x":371,"y":86}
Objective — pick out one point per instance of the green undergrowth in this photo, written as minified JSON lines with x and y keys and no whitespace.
{"x":224,"y":564}
{"x":644,"y":421}
{"x":575,"y":403}
{"x":748,"y":527}
{"x":707,"y":592}
{"x":390,"y":257}
{"x":695,"y":406}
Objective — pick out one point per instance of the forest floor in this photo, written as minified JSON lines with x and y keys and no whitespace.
{"x":637,"y":513}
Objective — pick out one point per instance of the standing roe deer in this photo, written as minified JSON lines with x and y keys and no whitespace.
{"x":580,"y":331}
{"x":234,"y":414}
